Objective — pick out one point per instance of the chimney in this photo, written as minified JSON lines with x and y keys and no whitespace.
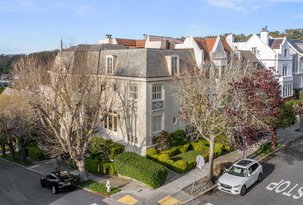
{"x":264,"y":35}
{"x":108,"y":36}
{"x":145,"y":36}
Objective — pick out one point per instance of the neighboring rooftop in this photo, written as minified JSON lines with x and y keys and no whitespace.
{"x":275,"y":43}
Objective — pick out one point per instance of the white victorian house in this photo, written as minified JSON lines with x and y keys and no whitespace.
{"x":296,"y":50}
{"x":274,"y":53}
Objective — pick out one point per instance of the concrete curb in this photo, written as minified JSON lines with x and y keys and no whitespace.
{"x":207,"y":190}
{"x":19,"y":165}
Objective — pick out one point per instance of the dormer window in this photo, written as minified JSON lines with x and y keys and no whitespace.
{"x":109,"y":64}
{"x":285,"y":52}
{"x":173,"y":64}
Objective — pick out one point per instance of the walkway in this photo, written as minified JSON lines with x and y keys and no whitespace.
{"x":133,"y":192}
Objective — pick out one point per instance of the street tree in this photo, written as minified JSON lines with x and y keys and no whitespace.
{"x":204,"y":98}
{"x":259,"y":98}
{"x":72,"y":102}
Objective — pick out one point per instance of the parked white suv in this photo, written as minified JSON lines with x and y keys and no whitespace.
{"x":240,"y":176}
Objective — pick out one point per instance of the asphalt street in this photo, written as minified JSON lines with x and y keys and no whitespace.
{"x":19,"y":186}
{"x":282,"y":183}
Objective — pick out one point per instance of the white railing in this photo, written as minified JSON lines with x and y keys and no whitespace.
{"x":286,"y":78}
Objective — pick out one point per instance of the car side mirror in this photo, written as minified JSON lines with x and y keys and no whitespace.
{"x":225,"y":170}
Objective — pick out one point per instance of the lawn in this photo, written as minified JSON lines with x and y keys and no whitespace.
{"x":98,"y":187}
{"x":187,"y":156}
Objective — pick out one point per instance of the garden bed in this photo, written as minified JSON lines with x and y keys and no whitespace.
{"x":98,"y":187}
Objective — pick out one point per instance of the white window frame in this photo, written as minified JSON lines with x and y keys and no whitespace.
{"x":111,"y":122}
{"x":133,"y":91}
{"x":284,"y":70}
{"x":157,"y":123}
{"x":285,"y":52}
{"x":157,"y":92}
{"x":175,"y":62}
{"x":109,"y":64}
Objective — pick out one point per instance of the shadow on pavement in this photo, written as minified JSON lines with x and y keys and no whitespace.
{"x":267,"y":170}
{"x":293,"y":152}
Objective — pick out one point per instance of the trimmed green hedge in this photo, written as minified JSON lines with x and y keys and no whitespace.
{"x":36,"y":153}
{"x":140,"y":168}
{"x":99,"y":167}
{"x":92,"y":165}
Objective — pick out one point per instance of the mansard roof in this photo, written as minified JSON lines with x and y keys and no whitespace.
{"x":141,"y":63}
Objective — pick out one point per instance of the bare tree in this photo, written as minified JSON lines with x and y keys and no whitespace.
{"x":72,"y":106}
{"x":20,"y":120}
{"x":205,"y":98}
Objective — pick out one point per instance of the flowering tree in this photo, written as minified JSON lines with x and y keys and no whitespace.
{"x":259,"y":98}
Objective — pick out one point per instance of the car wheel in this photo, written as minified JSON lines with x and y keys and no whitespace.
{"x":260,"y":177}
{"x":54,"y":189}
{"x":243,"y":190}
{"x":42,"y":183}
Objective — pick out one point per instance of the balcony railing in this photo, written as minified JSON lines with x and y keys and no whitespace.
{"x":286,"y":78}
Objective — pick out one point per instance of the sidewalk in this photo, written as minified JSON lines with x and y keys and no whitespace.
{"x":133,"y":192}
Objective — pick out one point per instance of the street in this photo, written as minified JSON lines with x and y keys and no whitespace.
{"x":282,"y":183}
{"x":19,"y":186}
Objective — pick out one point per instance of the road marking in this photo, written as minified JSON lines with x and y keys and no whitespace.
{"x":282,"y":186}
{"x":94,"y":204}
{"x":169,"y":200}
{"x":209,"y":204}
{"x":129,"y":200}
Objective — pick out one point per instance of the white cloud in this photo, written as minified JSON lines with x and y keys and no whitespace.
{"x":230,"y":4}
{"x":27,"y":6}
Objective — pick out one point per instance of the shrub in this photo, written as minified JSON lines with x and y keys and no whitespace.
{"x":36,"y":153}
{"x":218,"y":149}
{"x":171,"y":152}
{"x":184,"y":148}
{"x":115,"y":149}
{"x":108,"y":168}
{"x":178,"y":138}
{"x":92,"y":165}
{"x":181,"y":166}
{"x":140,"y":168}
{"x":102,"y":149}
{"x":151,"y":152}
{"x":163,"y":141}
{"x":200,"y":146}
{"x":163,"y":157}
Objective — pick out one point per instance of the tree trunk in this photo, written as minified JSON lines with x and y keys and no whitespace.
{"x":301,"y":122}
{"x":273,"y":138}
{"x":3,"y":149}
{"x":22,"y":150}
{"x":81,"y":167}
{"x":211,"y":158}
{"x":11,"y":149}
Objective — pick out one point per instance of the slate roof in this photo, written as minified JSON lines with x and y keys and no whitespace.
{"x":142,"y":63}
{"x":275,"y":43}
{"x":295,"y":43}
{"x":249,"y":56}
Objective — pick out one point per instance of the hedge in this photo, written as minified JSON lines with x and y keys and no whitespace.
{"x":92,"y":165}
{"x":36,"y":153}
{"x":140,"y":168}
{"x":103,"y":149}
{"x":99,"y":167}
{"x":178,"y":138}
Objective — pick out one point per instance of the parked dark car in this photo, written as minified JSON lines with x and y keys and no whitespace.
{"x":58,"y":181}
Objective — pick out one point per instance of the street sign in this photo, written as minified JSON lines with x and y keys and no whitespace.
{"x":200,"y":161}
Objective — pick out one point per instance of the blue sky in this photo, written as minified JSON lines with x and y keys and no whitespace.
{"x":36,"y":25}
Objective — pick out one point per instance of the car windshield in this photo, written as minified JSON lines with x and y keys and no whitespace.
{"x":237,"y":171}
{"x":64,"y":175}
